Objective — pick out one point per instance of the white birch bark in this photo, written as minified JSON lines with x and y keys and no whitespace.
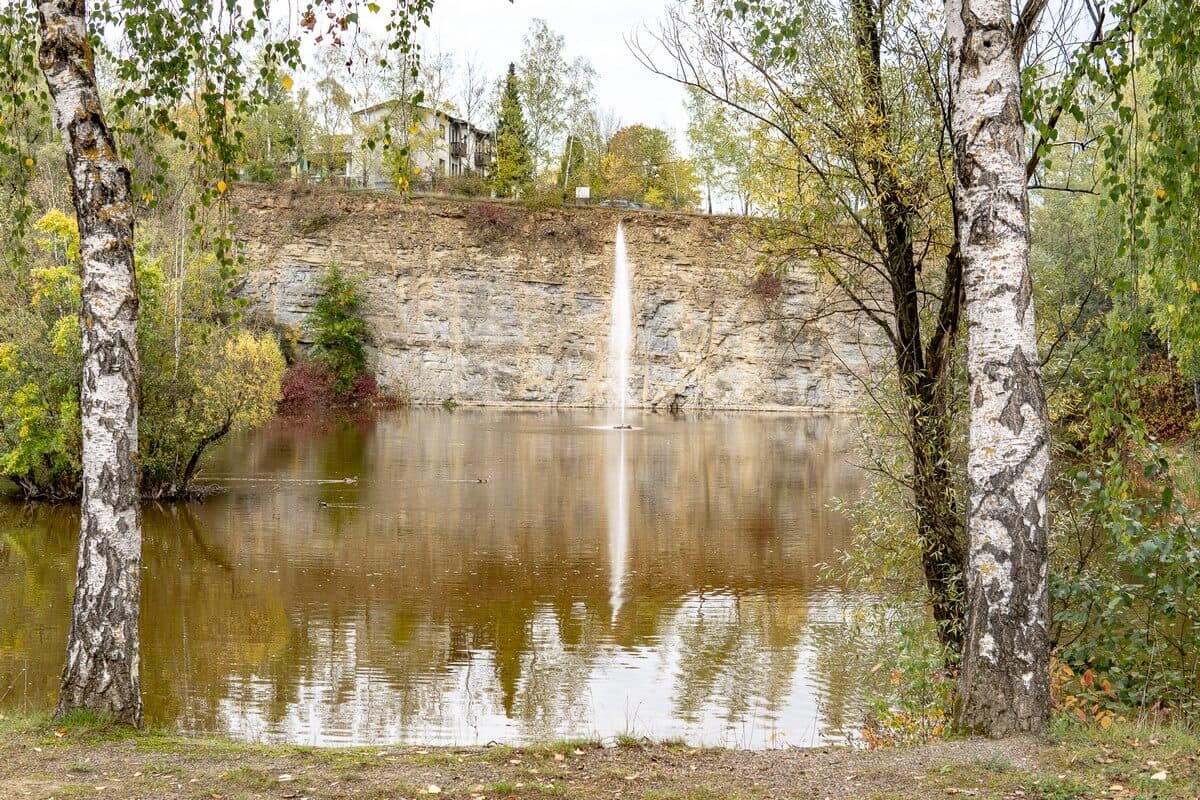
{"x":101,"y":669}
{"x":1004,"y":684}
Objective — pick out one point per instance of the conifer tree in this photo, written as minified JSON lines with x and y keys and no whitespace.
{"x":513,"y":169}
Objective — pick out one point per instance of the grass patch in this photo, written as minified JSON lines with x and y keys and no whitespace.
{"x":1155,"y":760}
{"x":248,"y":778}
{"x":566,"y":747}
{"x":345,"y":759}
{"x":436,"y":758}
{"x":74,"y":790}
{"x":1059,"y":789}
{"x":501,"y":753}
{"x":82,"y":725}
{"x":513,"y":789}
{"x":997,"y":763}
{"x":392,"y":792}
{"x":162,"y":769}
{"x":1074,"y":761}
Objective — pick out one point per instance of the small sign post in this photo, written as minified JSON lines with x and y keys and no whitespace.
{"x":582,"y":193}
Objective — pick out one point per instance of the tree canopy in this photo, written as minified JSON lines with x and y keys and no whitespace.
{"x":642,"y":165}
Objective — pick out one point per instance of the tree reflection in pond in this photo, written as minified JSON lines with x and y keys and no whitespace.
{"x":454,"y":577}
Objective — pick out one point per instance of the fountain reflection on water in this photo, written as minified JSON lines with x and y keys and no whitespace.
{"x":618,"y":524}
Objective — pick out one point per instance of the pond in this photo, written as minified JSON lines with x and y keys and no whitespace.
{"x":476,"y":576}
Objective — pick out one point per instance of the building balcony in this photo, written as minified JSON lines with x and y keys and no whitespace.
{"x":483,"y":158}
{"x":458,"y":149}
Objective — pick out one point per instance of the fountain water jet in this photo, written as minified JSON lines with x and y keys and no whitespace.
{"x":620,"y":334}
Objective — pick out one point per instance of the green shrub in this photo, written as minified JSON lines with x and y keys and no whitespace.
{"x":203,"y":375}
{"x":1129,"y":618}
{"x":470,"y":185}
{"x":1126,"y":546}
{"x":339,"y":331}
{"x":542,"y":199}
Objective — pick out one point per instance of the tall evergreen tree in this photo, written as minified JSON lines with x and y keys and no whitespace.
{"x":513,"y":170}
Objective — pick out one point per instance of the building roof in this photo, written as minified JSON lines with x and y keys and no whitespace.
{"x":439,"y":112}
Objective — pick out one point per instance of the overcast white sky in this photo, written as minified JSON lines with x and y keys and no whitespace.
{"x":594,"y":29}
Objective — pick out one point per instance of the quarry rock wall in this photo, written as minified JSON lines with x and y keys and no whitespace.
{"x":485,"y":302}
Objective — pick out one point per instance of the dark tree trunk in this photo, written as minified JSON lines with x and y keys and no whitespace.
{"x":939,"y":521}
{"x":922,"y":370}
{"x":101,"y":670}
{"x":193,"y":464}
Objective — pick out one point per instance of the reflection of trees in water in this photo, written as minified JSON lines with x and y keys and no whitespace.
{"x":444,"y":601}
{"x":840,"y":671}
{"x":554,"y":694}
{"x":202,"y":616}
{"x":36,"y":581}
{"x":737,"y":654}
{"x":847,"y":659}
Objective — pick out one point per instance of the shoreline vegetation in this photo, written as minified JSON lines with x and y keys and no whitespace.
{"x":86,"y":756}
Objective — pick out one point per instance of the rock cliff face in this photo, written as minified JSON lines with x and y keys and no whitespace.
{"x":490,"y":303}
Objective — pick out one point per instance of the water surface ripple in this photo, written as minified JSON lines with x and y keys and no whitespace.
{"x":475,"y":576}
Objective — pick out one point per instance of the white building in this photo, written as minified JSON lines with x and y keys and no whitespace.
{"x":443,"y":146}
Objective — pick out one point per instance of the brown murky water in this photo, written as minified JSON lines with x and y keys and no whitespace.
{"x":477,"y":576}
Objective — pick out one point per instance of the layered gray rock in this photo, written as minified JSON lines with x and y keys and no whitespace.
{"x":490,"y":303}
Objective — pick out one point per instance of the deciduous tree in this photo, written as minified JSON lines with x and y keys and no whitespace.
{"x":167,"y":55}
{"x":556,"y":94}
{"x":472,"y":90}
{"x":853,"y":167}
{"x":722,"y":149}
{"x":1005,"y":681}
{"x":642,"y":165}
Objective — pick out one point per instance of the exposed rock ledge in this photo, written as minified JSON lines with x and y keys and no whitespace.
{"x":489,"y":303}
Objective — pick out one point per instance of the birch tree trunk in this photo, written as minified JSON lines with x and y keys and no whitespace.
{"x":101,"y":670}
{"x":1004,"y":684}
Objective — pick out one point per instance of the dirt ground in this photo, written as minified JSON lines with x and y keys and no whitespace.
{"x":42,"y":761}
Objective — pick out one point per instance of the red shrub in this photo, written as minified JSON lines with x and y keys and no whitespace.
{"x":491,"y":221}
{"x":308,"y":385}
{"x":364,"y":391}
{"x":766,"y":285}
{"x":493,"y":213}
